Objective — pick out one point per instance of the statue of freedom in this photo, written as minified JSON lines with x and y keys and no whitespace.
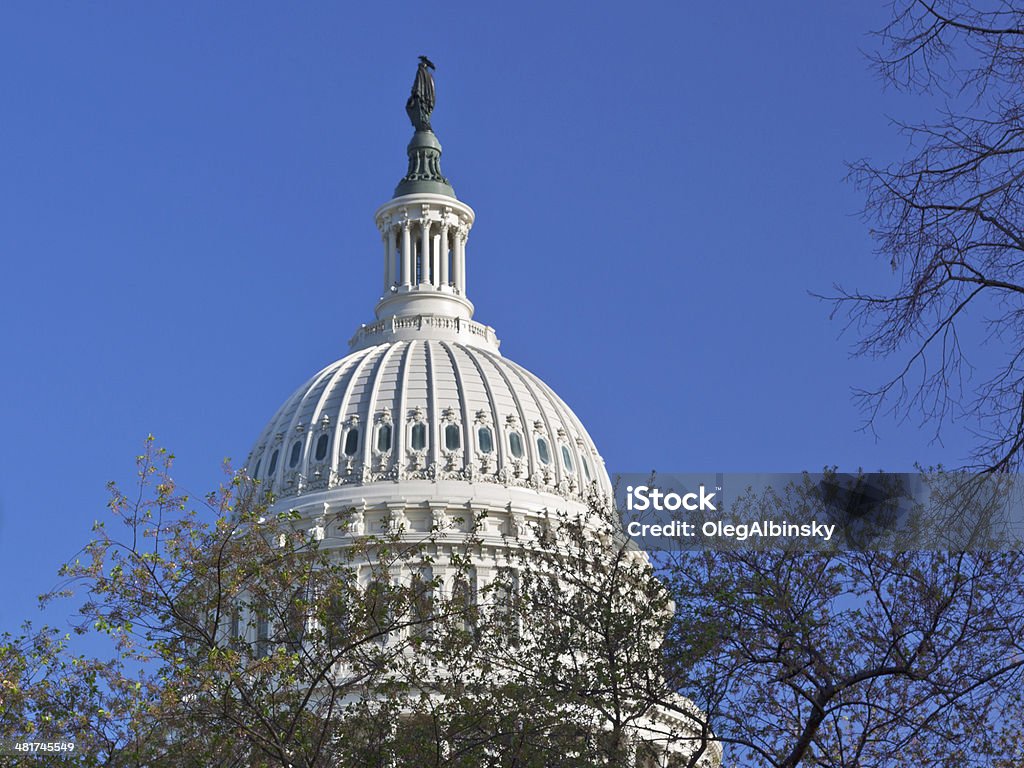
{"x":421,"y":100}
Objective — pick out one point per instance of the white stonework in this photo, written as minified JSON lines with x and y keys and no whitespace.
{"x":427,"y":409}
{"x":424,"y":425}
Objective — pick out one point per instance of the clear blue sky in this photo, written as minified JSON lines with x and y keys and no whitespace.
{"x":186,"y":199}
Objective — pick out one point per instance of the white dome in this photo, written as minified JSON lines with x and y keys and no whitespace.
{"x":425,"y":430}
{"x":427,"y":409}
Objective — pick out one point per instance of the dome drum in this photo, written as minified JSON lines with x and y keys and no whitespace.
{"x":493,"y":514}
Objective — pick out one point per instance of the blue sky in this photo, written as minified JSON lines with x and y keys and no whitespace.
{"x":186,"y":199}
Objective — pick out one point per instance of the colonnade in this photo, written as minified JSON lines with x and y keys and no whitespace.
{"x":425,"y":252}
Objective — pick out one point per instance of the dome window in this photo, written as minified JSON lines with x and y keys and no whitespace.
{"x":586,"y":468}
{"x":515,"y":444}
{"x":273,"y":464}
{"x":542,"y":451}
{"x":384,"y":438}
{"x":235,"y":626}
{"x":566,"y":459}
{"x":485,"y":439}
{"x":351,"y":442}
{"x":293,"y":460}
{"x":452,"y":437}
{"x":262,"y":635}
{"x":419,"y":436}
{"x":321,"y":447}
{"x":256,"y":472}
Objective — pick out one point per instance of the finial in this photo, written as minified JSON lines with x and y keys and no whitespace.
{"x":421,"y":100}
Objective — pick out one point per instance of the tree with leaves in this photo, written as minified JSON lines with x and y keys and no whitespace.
{"x":88,"y":707}
{"x":244,"y":637}
{"x":257,"y":645}
{"x":575,"y":629}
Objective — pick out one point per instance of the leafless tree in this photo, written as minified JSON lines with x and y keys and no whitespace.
{"x":949,"y":220}
{"x":851,"y":659}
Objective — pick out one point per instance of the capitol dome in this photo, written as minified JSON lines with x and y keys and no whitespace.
{"x":425,"y":415}
{"x":425,"y":431}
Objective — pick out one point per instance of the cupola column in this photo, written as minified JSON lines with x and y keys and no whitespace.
{"x":435,"y":257}
{"x":456,"y":280}
{"x":389,"y":258}
{"x":443,"y":255}
{"x":425,"y":251}
{"x":406,"y":255}
{"x":460,"y":260}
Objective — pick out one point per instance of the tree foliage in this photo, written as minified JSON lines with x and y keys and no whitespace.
{"x":249,"y":638}
{"x":257,"y":644}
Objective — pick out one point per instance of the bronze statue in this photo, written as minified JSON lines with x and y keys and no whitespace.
{"x":421,"y":100}
{"x":424,"y":150}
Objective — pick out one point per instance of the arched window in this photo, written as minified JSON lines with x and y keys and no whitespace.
{"x":351,"y":442}
{"x":384,"y":438}
{"x":295,"y":626}
{"x":452,"y":437}
{"x":485,"y":439}
{"x":542,"y":451}
{"x":566,"y":459}
{"x":340,"y":600}
{"x":273,"y":464}
{"x":463,"y":604}
{"x":507,"y":606}
{"x":586,"y":468}
{"x":378,"y":606}
{"x":296,"y":454}
{"x":256,"y":472}
{"x":421,"y":603}
{"x":321,"y":446}
{"x":419,"y":436}
{"x":235,"y":626}
{"x":515,"y":444}
{"x":262,"y":632}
